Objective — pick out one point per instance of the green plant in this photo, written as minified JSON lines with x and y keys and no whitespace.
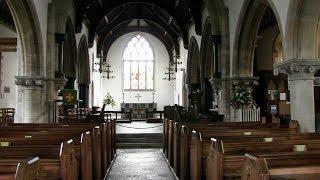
{"x":241,"y":99}
{"x":109,"y":101}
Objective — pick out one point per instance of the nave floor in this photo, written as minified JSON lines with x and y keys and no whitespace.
{"x":140,"y":164}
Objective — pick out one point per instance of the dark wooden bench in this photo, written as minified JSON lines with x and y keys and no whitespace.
{"x":225,"y":160}
{"x":102,"y":152}
{"x":57,"y":162}
{"x":20,"y":169}
{"x":181,"y":144}
{"x":282,"y":166}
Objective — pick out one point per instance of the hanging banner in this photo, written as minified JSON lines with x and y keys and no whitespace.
{"x":69,"y":97}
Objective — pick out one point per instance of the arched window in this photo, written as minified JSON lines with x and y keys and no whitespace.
{"x":138,"y":65}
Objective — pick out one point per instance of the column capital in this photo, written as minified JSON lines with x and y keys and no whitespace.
{"x":298,"y":68}
{"x":28,"y":81}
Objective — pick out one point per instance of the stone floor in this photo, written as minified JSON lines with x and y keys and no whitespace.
{"x":140,"y":164}
{"x":139,"y":127}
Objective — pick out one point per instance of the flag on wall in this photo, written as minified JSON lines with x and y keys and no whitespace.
{"x":69,"y":97}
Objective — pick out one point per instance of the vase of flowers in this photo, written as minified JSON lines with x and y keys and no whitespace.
{"x":241,"y":99}
{"x":109,"y":101}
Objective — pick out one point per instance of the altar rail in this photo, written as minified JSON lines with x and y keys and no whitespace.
{"x":249,"y":115}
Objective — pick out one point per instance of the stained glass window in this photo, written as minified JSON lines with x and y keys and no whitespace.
{"x":138,"y":65}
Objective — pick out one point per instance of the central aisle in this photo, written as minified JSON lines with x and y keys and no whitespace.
{"x":140,"y":164}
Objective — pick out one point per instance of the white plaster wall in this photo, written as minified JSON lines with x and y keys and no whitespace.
{"x":8,"y":72}
{"x":164,"y":90}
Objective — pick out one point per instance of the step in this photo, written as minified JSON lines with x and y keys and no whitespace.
{"x":138,"y":145}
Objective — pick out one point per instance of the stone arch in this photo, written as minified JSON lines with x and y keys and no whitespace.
{"x":208,"y":66}
{"x":28,"y":28}
{"x":30,"y":80}
{"x":246,"y":33}
{"x":193,"y":65}
{"x":83,"y":71}
{"x":207,"y":52}
{"x":220,"y":30}
{"x":70,"y":54}
{"x":303,"y":29}
{"x":277,"y":50}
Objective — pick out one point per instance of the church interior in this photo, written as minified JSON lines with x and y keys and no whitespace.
{"x":159,"y":89}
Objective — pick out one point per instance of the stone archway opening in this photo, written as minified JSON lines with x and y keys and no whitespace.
{"x":208,"y":69}
{"x":193,"y":70}
{"x":29,"y":79}
{"x":70,"y":56}
{"x":84,"y":72}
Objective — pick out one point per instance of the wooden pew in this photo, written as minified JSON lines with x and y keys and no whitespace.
{"x":107,"y":135}
{"x":181,"y":145}
{"x":55,"y":136}
{"x":226,"y":160}
{"x":57,"y":162}
{"x":20,"y":169}
{"x":282,"y":166}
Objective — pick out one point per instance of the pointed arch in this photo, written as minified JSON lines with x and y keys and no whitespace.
{"x":246,"y":33}
{"x":207,"y":51}
{"x":84,"y":64}
{"x":138,"y":64}
{"x":70,"y":51}
{"x":28,"y":27}
{"x":83,"y":71}
{"x":193,"y":62}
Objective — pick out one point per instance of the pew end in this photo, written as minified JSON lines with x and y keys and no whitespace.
{"x":96,"y":152}
{"x":69,"y":165}
{"x":184,"y":154}
{"x":254,"y":168}
{"x":294,"y":126}
{"x":195,"y":156}
{"x":29,"y":169}
{"x":86,"y":155}
{"x":214,"y":162}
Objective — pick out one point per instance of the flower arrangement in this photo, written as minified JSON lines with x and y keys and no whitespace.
{"x":241,"y":99}
{"x":109,"y":101}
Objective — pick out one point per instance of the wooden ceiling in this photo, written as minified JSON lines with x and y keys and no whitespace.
{"x":168,"y":20}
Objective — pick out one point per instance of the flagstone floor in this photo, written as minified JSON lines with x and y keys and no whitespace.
{"x":140,"y":164}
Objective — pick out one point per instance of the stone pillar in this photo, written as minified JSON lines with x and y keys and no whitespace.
{"x":31,"y":99}
{"x":301,"y":85}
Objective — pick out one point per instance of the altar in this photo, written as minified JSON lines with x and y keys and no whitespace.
{"x":139,"y":110}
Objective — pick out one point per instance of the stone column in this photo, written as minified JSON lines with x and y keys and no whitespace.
{"x":31,"y":99}
{"x":301,"y":85}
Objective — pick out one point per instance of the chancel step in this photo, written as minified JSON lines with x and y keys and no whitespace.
{"x":141,"y":140}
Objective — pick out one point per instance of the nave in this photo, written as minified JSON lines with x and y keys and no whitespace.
{"x":226,"y":89}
